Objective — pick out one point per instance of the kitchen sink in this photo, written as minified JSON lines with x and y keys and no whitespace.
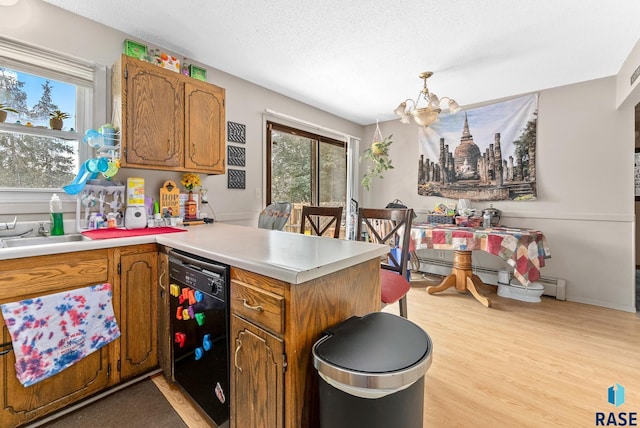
{"x":41,"y":240}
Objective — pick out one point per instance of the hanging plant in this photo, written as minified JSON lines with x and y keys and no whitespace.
{"x":378,"y":157}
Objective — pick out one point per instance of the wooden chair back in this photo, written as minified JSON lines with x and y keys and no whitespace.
{"x":320,"y":220}
{"x":392,"y":227}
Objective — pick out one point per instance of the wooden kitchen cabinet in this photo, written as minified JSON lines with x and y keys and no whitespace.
{"x":257,"y":371}
{"x":257,"y":349}
{"x":133,"y":273}
{"x":138,"y":308}
{"x":274,"y":325}
{"x":168,"y":121}
{"x":37,"y":276}
{"x":204,"y":118}
{"x":165,"y":342}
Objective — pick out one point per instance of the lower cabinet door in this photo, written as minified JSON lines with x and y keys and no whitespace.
{"x":257,"y":376}
{"x":22,"y":404}
{"x":138,"y":313}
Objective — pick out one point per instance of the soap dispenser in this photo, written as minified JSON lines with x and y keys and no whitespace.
{"x":55,"y":206}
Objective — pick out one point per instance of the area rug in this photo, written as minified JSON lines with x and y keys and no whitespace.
{"x":139,"y":405}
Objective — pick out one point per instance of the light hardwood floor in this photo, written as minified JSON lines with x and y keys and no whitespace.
{"x":516,"y":364}
{"x":174,"y":395}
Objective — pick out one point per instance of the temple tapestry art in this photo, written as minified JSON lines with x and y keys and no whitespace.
{"x":482,"y":154}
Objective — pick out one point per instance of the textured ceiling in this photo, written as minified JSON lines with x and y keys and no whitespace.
{"x":360,"y":59}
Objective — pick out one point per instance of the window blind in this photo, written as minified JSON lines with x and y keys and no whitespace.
{"x":34,"y":60}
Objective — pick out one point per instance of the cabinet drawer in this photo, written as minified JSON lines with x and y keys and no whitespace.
{"x":258,"y":306}
{"x":40,"y":275}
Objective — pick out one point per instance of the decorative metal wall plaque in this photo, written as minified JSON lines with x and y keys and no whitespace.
{"x":236,"y":132}
{"x":235,"y":179}
{"x":235,"y":156}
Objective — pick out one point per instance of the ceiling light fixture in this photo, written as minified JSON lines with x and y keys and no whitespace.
{"x":425,"y":116}
{"x":8,"y":2}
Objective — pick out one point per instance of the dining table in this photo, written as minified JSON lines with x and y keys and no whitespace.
{"x":524,"y":249}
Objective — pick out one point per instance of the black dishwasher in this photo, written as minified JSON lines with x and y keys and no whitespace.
{"x":200,"y":331}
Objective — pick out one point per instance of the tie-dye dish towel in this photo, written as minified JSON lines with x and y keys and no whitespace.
{"x":52,"y":332}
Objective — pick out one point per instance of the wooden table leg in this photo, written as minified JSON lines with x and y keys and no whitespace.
{"x":473,"y":283}
{"x":463,"y":278}
{"x":448,"y":282}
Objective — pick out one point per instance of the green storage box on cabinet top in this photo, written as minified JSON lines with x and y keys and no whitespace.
{"x":134,"y":49}
{"x":198,"y":73}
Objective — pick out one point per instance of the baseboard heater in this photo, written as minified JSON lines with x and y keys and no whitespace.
{"x":555,"y":287}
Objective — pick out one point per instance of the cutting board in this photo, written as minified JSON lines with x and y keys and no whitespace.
{"x":125,"y":233}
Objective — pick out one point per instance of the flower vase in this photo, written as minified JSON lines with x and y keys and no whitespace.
{"x":190,"y":208}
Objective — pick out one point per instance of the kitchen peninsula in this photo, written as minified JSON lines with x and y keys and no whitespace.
{"x":304,"y":284}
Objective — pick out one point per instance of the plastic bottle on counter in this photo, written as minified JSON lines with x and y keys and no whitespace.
{"x":486,"y":220}
{"x":111,"y":220}
{"x":92,"y":221}
{"x":99,"y":222}
{"x":55,"y":207}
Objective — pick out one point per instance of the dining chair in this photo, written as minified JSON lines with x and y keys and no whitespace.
{"x":320,"y":220}
{"x":392,"y":227}
{"x":274,"y":216}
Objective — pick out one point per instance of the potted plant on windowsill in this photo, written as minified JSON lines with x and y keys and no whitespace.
{"x":56,"y":119}
{"x":4,"y":110}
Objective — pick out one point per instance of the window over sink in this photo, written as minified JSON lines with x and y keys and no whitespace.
{"x":31,"y":156}
{"x":36,"y":160}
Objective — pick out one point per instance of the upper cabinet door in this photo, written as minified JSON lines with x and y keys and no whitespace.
{"x":168,"y":121}
{"x":154,"y":114}
{"x":204,"y":128}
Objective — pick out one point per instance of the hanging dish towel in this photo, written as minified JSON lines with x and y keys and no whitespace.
{"x":52,"y":332}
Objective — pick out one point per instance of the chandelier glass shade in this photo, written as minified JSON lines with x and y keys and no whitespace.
{"x":427,"y":113}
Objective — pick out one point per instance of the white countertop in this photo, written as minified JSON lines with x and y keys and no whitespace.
{"x":290,"y":257}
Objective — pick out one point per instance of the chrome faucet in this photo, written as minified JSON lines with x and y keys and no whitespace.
{"x":42,"y":231}
{"x":12,"y":226}
{"x":9,"y":226}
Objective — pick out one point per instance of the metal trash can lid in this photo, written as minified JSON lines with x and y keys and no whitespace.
{"x":378,"y":350}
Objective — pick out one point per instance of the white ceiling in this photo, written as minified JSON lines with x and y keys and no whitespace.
{"x":360,"y":59}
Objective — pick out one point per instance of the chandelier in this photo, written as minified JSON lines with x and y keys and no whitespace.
{"x":425,"y":115}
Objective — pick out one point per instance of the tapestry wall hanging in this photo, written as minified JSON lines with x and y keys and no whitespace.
{"x":482,"y":154}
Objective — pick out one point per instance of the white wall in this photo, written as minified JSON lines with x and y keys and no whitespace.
{"x":585,"y":161}
{"x":585,"y":190}
{"x":46,"y":26}
{"x":625,"y":91}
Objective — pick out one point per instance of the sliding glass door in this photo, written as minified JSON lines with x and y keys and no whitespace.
{"x":305,"y":169}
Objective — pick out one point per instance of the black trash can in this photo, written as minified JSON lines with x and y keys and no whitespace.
{"x":372,"y":372}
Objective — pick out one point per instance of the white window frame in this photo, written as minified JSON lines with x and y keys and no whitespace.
{"x":91,"y":108}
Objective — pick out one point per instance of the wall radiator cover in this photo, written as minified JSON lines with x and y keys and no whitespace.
{"x":555,"y":287}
